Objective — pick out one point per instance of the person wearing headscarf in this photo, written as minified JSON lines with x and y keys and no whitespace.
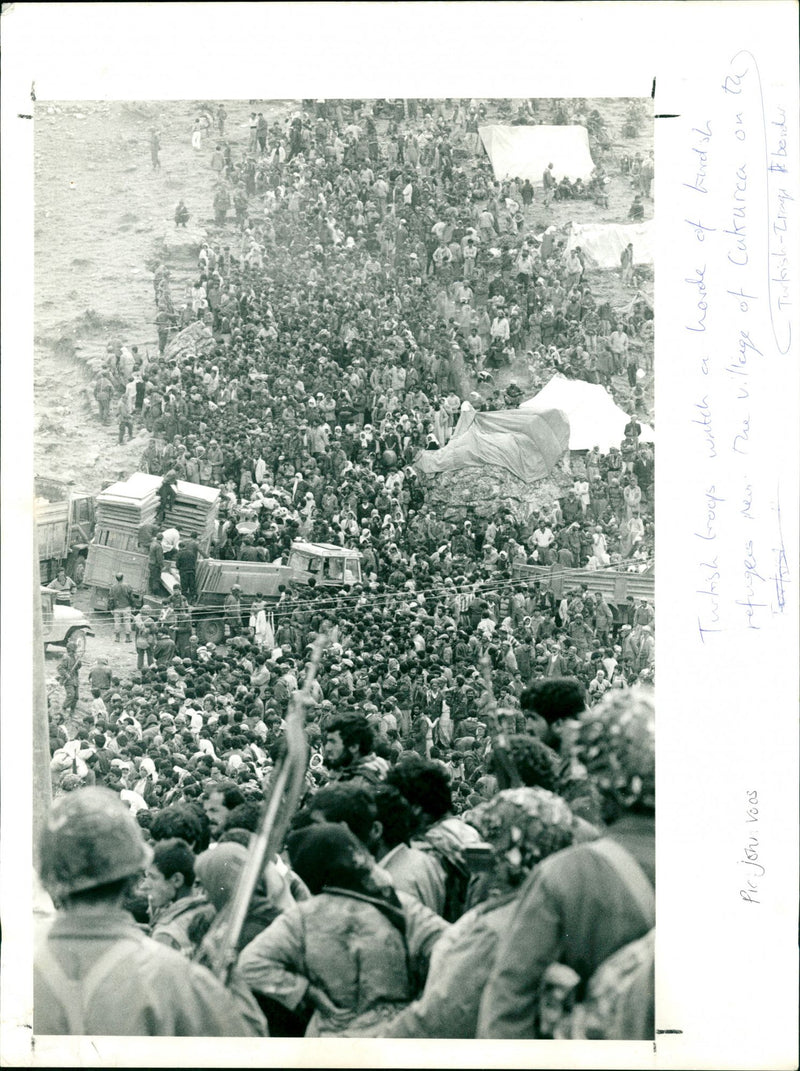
{"x":217,"y":871}
{"x":355,"y":953}
{"x":520,"y":826}
{"x":258,"y":620}
{"x":582,"y":905}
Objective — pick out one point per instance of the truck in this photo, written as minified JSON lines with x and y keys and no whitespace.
{"x":615,"y":584}
{"x":65,"y":520}
{"x":126,"y":513}
{"x":330,"y":565}
{"x":60,"y":624}
{"x":102,"y":565}
{"x":327,"y":564}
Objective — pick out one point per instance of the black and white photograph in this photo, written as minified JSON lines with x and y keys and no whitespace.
{"x":374,"y":407}
{"x":343,"y":512}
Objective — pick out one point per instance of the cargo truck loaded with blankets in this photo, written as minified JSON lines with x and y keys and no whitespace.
{"x":126,"y":514}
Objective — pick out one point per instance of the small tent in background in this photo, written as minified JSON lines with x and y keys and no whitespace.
{"x":526,"y":444}
{"x":602,"y":243}
{"x":524,"y":152}
{"x":594,"y":417}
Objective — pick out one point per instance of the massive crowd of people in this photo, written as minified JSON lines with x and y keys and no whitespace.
{"x":364,"y":277}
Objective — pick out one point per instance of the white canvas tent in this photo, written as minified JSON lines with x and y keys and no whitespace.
{"x":594,"y":417}
{"x":602,"y":243}
{"x":524,"y":152}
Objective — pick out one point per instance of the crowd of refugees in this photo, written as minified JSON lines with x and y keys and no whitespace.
{"x":412,"y":900}
{"x":370,"y":283}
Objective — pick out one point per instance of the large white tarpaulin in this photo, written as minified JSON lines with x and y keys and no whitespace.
{"x":594,"y":417}
{"x":602,"y":243}
{"x":527,"y":444}
{"x":524,"y":152}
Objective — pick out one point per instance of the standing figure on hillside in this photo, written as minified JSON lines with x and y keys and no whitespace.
{"x":103,"y":389}
{"x":125,"y":417}
{"x":549,"y":183}
{"x":155,"y":145}
{"x":68,"y":674}
{"x":626,"y":264}
{"x":240,"y":205}
{"x":218,"y":160}
{"x":222,"y":202}
{"x":646,"y":175}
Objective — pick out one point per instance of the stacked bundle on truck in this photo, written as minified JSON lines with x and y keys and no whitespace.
{"x":129,"y":504}
{"x":124,"y":509}
{"x":194,"y":510}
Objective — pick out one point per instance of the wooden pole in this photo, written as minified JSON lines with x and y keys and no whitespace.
{"x":42,"y":791}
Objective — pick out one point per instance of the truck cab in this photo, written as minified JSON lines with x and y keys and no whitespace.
{"x":63,"y":623}
{"x":326,"y":563}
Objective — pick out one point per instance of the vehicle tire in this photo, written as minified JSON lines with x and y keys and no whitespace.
{"x":79,"y":636}
{"x":210,"y":630}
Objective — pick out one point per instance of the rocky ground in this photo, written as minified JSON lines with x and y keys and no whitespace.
{"x":101,"y":216}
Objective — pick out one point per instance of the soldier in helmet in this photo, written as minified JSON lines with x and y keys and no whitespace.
{"x":68,"y":673}
{"x":95,"y":972}
{"x":582,"y":905}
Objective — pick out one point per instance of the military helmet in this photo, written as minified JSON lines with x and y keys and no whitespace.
{"x":616,"y":745}
{"x":90,"y":838}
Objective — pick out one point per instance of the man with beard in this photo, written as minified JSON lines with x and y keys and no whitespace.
{"x":348,"y":750}
{"x":219,"y":799}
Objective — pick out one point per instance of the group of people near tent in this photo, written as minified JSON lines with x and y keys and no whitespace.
{"x":434,"y":882}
